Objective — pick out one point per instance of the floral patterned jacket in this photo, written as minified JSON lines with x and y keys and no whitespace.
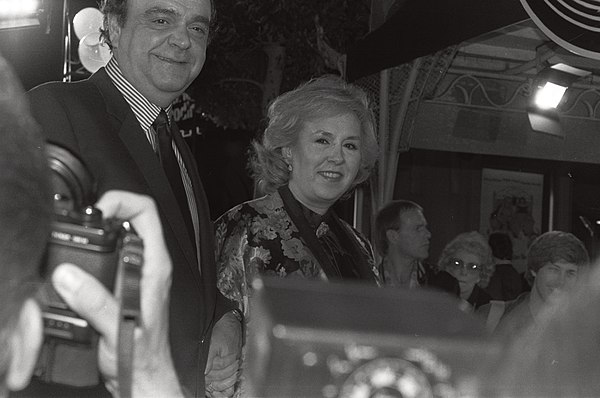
{"x":259,"y":237}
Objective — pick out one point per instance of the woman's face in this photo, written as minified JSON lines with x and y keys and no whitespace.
{"x":325,"y":160}
{"x":465,"y":267}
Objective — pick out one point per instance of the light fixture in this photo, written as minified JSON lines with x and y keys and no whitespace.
{"x":550,"y":95}
{"x":93,"y":52}
{"x":20,"y":13}
{"x":551,"y":84}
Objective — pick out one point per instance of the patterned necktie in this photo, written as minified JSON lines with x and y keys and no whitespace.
{"x":171,"y":167}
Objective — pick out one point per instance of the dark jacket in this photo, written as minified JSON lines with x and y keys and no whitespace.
{"x":505,"y":284}
{"x":445,"y":282}
{"x":516,"y":317}
{"x":92,"y":119}
{"x":270,"y":236}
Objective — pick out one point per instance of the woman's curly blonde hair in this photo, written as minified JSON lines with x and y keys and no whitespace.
{"x":319,"y":98}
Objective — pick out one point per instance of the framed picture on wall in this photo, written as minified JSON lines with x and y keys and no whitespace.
{"x":511,"y":202}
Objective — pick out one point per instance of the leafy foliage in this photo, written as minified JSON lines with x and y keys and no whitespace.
{"x":229,"y":89}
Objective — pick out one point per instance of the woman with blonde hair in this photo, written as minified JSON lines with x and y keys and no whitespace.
{"x":318,"y":145}
{"x":468,"y":259}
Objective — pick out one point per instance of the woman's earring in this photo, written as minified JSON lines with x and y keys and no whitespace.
{"x":287,"y":156}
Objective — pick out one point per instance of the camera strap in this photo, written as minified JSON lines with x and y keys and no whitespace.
{"x":128,"y":289}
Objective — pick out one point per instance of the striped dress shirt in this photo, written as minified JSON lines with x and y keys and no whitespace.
{"x":145,"y":113}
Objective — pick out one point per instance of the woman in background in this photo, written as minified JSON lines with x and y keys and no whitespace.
{"x":318,"y":145}
{"x":468,"y":259}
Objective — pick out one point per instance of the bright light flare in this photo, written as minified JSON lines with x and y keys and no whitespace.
{"x":18,"y":8}
{"x":549,"y":96}
{"x":87,"y":20}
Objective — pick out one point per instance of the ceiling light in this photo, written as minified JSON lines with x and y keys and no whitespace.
{"x":549,"y":95}
{"x":551,"y":84}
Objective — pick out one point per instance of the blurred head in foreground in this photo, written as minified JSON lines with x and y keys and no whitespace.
{"x":25,"y":213}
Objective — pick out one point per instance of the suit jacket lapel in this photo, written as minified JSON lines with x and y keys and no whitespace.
{"x":205,"y":226}
{"x":141,"y":151}
{"x":206,"y":253}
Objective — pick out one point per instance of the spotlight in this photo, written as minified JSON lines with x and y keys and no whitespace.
{"x":551,"y":85}
{"x":553,"y":82}
{"x":550,"y":95}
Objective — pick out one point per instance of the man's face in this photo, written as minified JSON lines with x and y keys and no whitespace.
{"x":162,"y":46}
{"x":554,"y":279}
{"x":411,"y":239}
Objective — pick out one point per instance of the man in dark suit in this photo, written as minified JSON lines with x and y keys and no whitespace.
{"x":108,"y":120}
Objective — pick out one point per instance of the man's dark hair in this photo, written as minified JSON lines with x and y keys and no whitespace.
{"x":118,"y":8}
{"x":555,"y":246}
{"x":501,"y":245}
{"x":25,"y":206}
{"x":389,"y":218}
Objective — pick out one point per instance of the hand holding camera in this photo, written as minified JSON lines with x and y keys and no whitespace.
{"x":153,"y":372}
{"x":111,"y":276}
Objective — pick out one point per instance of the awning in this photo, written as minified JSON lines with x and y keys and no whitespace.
{"x":422,"y":27}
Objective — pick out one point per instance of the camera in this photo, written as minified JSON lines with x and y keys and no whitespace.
{"x":109,"y":250}
{"x":98,"y":247}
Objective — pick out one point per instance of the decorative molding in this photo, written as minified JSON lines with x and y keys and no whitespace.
{"x":476,"y":89}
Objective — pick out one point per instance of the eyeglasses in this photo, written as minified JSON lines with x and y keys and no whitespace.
{"x":469,"y":267}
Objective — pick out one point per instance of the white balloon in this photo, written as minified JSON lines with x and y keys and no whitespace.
{"x":93,"y":54}
{"x":87,"y":20}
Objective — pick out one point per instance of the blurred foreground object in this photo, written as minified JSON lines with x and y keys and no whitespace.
{"x":559,"y":356}
{"x":327,"y":340}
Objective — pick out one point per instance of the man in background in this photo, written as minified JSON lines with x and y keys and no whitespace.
{"x":402,"y":240}
{"x":555,"y":260}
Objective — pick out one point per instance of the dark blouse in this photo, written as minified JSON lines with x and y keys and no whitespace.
{"x":341,"y":252}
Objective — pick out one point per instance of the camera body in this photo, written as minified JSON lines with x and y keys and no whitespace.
{"x":98,"y":247}
{"x":109,"y":250}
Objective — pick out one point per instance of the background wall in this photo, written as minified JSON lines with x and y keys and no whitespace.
{"x":448,"y":186}
{"x":507,"y":133}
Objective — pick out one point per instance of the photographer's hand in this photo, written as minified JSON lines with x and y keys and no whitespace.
{"x":153,"y":371}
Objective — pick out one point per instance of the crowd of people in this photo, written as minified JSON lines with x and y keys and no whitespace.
{"x":196,"y":284}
